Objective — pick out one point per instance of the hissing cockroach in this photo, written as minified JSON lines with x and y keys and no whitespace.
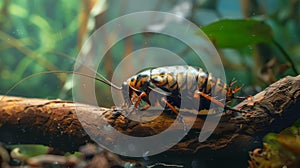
{"x":168,"y":85}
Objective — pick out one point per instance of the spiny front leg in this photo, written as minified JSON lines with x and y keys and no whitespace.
{"x":139,"y":98}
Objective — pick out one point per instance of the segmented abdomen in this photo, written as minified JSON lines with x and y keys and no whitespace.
{"x":187,"y":79}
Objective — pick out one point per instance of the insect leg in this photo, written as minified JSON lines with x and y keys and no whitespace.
{"x":170,"y":106}
{"x":134,"y":97}
{"x":236,"y":110}
{"x":217,"y":102}
{"x":242,"y":98}
{"x":176,"y":112}
{"x":139,"y":98}
{"x":146,"y":107}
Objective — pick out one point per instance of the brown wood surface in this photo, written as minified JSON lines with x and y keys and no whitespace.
{"x":55,"y":123}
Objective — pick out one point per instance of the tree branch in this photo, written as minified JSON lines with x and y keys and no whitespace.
{"x":55,"y":123}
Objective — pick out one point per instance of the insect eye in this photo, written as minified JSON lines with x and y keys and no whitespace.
{"x":132,"y":82}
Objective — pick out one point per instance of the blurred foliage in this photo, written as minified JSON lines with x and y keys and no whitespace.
{"x":258,"y":42}
{"x":30,"y":32}
{"x":280,"y":150}
{"x":238,"y":33}
{"x":38,"y":36}
{"x":88,"y":155}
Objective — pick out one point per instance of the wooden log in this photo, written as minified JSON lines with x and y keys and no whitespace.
{"x":55,"y":123}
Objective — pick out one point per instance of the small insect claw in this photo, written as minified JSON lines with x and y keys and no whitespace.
{"x":257,"y":152}
{"x":236,"y":89}
{"x":143,"y":94}
{"x":196,"y":95}
{"x":250,"y":97}
{"x":146,"y":107}
{"x":232,"y":82}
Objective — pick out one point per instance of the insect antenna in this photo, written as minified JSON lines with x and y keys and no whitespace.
{"x":98,"y":77}
{"x":105,"y":81}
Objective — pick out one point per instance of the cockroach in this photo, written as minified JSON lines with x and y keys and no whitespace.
{"x":168,"y":83}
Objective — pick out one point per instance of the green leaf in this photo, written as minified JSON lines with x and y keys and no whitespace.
{"x":31,"y":150}
{"x":238,"y":33}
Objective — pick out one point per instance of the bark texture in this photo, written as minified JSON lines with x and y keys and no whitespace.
{"x":55,"y":122}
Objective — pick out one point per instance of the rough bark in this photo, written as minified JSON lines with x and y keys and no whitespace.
{"x":55,"y":123}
